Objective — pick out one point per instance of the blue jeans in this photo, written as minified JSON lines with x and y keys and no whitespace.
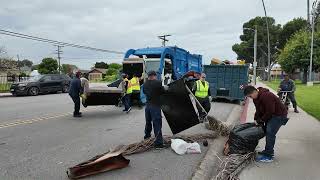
{"x":126,"y":101}
{"x":272,"y":128}
{"x":153,"y":117}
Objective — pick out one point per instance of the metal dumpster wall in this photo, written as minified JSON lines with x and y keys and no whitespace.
{"x":227,"y":81}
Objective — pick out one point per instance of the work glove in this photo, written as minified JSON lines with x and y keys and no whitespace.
{"x":166,"y":87}
{"x":210,"y":99}
{"x":258,"y":122}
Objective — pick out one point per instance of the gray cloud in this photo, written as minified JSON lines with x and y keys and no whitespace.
{"x":208,"y":27}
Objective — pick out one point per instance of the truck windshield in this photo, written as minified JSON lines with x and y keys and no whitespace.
{"x":152,"y":66}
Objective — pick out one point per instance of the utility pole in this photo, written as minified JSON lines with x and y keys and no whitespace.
{"x":268,"y":34}
{"x":59,"y":52}
{"x":255,"y":54}
{"x":310,"y":83}
{"x":164,"y":40}
{"x":19,"y":67}
{"x":308,"y":9}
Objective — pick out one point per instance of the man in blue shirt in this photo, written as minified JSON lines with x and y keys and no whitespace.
{"x":74,"y":92}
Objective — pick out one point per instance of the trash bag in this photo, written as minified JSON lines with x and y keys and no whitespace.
{"x":244,"y":138}
{"x":182,"y":147}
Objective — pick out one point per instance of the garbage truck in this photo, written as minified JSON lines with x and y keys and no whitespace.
{"x":170,"y":63}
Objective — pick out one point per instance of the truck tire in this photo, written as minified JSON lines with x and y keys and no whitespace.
{"x":33,"y":91}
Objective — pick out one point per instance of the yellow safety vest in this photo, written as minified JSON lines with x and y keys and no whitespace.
{"x":202,"y":91}
{"x":129,"y":88}
{"x":135,"y":84}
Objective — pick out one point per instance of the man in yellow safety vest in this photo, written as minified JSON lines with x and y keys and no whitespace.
{"x":201,"y":90}
{"x":135,"y":84}
{"x":127,"y":91}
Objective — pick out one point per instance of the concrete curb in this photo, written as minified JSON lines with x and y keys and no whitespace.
{"x":5,"y":95}
{"x":211,"y":161}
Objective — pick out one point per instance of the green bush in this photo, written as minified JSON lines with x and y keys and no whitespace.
{"x":110,"y":78}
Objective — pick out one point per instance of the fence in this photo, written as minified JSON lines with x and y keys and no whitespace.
{"x":6,"y":81}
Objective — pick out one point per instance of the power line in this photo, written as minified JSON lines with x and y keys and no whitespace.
{"x":164,"y":40}
{"x":24,"y":36}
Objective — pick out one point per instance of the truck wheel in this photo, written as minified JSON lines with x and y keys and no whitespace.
{"x":33,"y":91}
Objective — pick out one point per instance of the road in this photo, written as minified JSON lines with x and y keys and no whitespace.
{"x":39,"y":139}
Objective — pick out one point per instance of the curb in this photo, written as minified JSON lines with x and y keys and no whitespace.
{"x":6,"y":95}
{"x":211,"y":161}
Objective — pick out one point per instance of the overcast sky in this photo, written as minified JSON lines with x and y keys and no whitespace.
{"x":207,"y":27}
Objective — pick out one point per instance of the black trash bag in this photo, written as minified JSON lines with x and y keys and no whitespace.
{"x":244,"y":138}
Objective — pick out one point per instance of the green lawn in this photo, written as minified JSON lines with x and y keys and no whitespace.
{"x":5,"y":87}
{"x":308,"y":98}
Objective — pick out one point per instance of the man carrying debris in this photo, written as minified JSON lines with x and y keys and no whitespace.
{"x":153,"y":89}
{"x":270,"y":113}
{"x":288,"y":85}
{"x":127,"y":91}
{"x":74,"y":92}
{"x":201,"y":90}
{"x":135,"y":84}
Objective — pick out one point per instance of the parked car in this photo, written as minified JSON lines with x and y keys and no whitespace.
{"x":49,"y":83}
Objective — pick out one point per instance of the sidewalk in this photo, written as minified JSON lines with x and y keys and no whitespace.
{"x":5,"y":94}
{"x":296,"y":151}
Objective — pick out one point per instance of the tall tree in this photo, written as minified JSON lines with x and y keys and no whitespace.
{"x":101,"y":64}
{"x":48,"y":66}
{"x":245,"y":49}
{"x":115,"y":66}
{"x":290,"y":28}
{"x":25,"y":62}
{"x":296,"y":53}
{"x":68,"y":68}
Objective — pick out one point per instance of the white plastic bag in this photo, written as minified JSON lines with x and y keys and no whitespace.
{"x":181,"y":147}
{"x":193,"y":148}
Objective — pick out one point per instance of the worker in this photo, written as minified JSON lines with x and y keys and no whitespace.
{"x":127,"y":91}
{"x":85,"y":88}
{"x":288,"y":85}
{"x":201,"y":90}
{"x":135,"y":84}
{"x":271,"y":114}
{"x":74,"y":92}
{"x":153,"y":89}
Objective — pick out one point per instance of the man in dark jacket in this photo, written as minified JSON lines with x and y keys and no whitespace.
{"x":270,"y":113}
{"x":288,"y":85}
{"x":74,"y":92}
{"x":153,"y":88}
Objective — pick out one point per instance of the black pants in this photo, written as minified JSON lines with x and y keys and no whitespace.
{"x":292,"y":98}
{"x":126,"y":101}
{"x":76,"y":101}
{"x":135,"y":96}
{"x":205,"y":103}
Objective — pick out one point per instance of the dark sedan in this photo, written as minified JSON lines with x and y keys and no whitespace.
{"x":49,"y":83}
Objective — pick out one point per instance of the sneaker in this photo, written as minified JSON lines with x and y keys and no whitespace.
{"x":124,"y":110}
{"x":296,"y":111}
{"x":264,"y":159}
{"x":77,"y":115}
{"x":129,"y":110}
{"x":264,"y":153}
{"x":159,"y":146}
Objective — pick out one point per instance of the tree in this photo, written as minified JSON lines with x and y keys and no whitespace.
{"x":101,"y":64}
{"x":25,"y":62}
{"x":290,"y":28}
{"x":115,"y":66}
{"x":296,"y":53}
{"x":68,"y":68}
{"x":112,"y":71}
{"x":35,"y":67}
{"x":245,"y":49}
{"x":48,"y":66}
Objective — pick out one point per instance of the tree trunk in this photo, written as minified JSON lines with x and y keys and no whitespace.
{"x":305,"y":76}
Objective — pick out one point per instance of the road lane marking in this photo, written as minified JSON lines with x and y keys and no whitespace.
{"x":37,"y":119}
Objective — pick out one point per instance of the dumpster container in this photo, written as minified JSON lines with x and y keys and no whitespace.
{"x":227,"y":81}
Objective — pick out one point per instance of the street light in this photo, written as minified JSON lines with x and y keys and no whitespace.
{"x":313,"y":14}
{"x":255,"y":54}
{"x":268,"y":34}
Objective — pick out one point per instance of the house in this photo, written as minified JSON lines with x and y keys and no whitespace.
{"x":96,"y":74}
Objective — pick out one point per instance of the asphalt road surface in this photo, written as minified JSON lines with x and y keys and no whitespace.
{"x":39,"y":139}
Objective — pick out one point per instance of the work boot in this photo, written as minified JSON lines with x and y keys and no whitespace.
{"x":128,"y":110}
{"x":296,"y":110}
{"x":159,"y":146}
{"x":77,"y":115}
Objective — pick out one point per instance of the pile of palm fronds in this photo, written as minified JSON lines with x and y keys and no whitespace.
{"x":233,"y":165}
{"x":147,"y":144}
{"x":218,"y":126}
